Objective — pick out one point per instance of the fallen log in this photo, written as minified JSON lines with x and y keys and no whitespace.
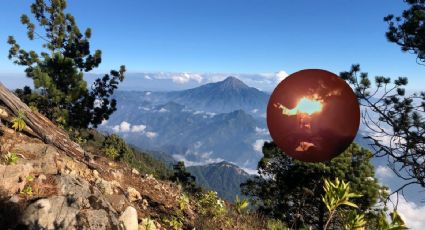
{"x":43,"y":127}
{"x":5,"y":116}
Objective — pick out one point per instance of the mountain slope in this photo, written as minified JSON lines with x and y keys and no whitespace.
{"x":222,"y":97}
{"x":187,"y":134}
{"x":223,"y":177}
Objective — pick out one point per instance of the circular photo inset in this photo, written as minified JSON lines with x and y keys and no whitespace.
{"x":313,"y":115}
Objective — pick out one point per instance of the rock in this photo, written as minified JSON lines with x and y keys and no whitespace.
{"x":147,"y":223}
{"x":134,"y":171}
{"x":41,"y":178}
{"x":104,"y":186}
{"x":145,"y":204}
{"x":13,"y":179}
{"x":93,"y":219}
{"x":45,"y":162}
{"x":133,"y":194}
{"x":32,"y":148}
{"x":75,"y":186}
{"x":128,"y":219}
{"x":15,"y":199}
{"x":117,"y":174}
{"x":118,"y":202}
{"x":3,"y":113}
{"x":52,"y":213}
{"x":96,"y":174}
{"x":149,"y":177}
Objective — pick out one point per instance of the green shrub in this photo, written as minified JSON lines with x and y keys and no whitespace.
{"x":337,"y":193}
{"x":123,"y":151}
{"x":210,"y":205}
{"x":27,"y":191}
{"x":18,"y":122}
{"x":147,"y":224}
{"x":173,"y":223}
{"x":11,"y":158}
{"x":275,"y":224}
{"x":241,"y":205}
{"x":183,"y":202}
{"x":111,"y":152}
{"x":30,"y":178}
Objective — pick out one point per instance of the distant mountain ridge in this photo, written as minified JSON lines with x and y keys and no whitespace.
{"x":223,"y":177}
{"x":221,"y":97}
{"x":211,"y":123}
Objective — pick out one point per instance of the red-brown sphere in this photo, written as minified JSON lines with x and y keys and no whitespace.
{"x":313,"y":115}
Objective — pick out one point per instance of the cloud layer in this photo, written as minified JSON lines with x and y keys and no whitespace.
{"x":126,"y":127}
{"x":411,"y":213}
{"x":263,"y":81}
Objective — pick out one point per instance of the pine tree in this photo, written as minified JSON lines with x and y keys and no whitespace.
{"x":183,"y":177}
{"x":395,"y":122}
{"x":408,"y":30}
{"x":61,"y":93}
{"x":292,"y":190}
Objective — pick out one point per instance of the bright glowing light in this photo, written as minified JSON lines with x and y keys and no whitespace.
{"x":308,"y":106}
{"x":304,"y":106}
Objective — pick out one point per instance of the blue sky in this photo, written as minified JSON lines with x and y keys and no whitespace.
{"x":232,"y":36}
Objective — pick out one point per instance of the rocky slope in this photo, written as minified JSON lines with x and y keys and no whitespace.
{"x":46,"y":189}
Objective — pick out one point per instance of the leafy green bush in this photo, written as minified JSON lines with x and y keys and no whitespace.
{"x":18,"y":122}
{"x":210,"y":205}
{"x":337,"y":193}
{"x":183,"y":202}
{"x":241,"y":205}
{"x":173,"y":223}
{"x":11,"y":158}
{"x":275,"y":224}
{"x":111,"y":152}
{"x":147,"y":224}
{"x":27,"y":191}
{"x":122,"y":150}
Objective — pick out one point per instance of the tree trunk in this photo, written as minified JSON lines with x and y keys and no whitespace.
{"x":43,"y":127}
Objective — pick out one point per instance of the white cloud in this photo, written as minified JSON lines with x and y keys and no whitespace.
{"x":250,"y":171}
{"x":261,"y":131}
{"x":383,"y":172}
{"x":273,"y":78}
{"x":163,"y":110}
{"x":383,"y":133}
{"x":179,"y":78}
{"x":138,"y":128}
{"x":263,"y":81}
{"x":258,"y":145}
{"x":180,"y":157}
{"x":98,"y":103}
{"x":410,"y":212}
{"x":197,"y":144}
{"x":205,"y":114}
{"x":281,"y":75}
{"x":186,"y":77}
{"x":123,"y":127}
{"x":104,"y":122}
{"x":151,"y":135}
